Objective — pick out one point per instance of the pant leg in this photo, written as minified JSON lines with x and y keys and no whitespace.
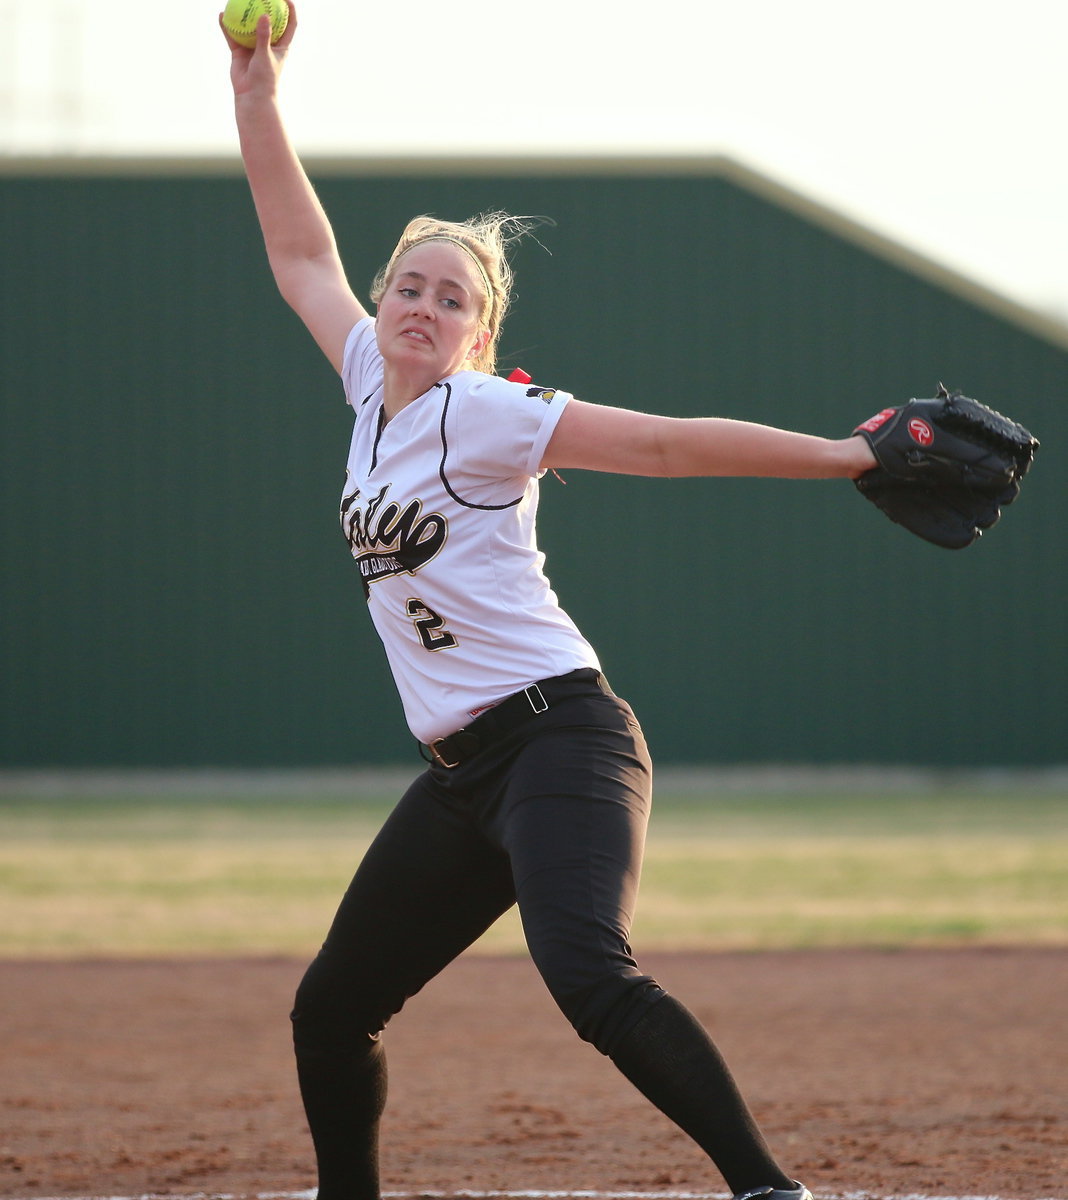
{"x":428,"y":886}
{"x":573,"y":821}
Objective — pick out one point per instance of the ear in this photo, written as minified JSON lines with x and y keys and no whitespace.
{"x":481,"y":342}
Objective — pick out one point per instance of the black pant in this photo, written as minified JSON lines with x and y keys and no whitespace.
{"x":553,"y":816}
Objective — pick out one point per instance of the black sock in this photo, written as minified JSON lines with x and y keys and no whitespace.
{"x":344,"y":1093}
{"x":673,"y":1062}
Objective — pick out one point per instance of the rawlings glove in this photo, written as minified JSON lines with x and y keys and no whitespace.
{"x":947,"y":466}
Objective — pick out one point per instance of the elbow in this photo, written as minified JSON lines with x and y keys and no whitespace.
{"x":292,"y":280}
{"x":669,"y":450}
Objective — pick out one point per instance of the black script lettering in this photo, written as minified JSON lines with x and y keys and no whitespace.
{"x":386,"y":539}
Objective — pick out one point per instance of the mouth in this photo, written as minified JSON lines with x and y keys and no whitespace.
{"x":415,"y":335}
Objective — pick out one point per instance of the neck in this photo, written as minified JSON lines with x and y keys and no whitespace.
{"x":400,"y":388}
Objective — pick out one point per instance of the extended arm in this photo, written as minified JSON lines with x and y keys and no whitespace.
{"x":618,"y":440}
{"x":300,"y":243}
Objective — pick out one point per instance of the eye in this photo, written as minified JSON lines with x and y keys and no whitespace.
{"x":407,"y":291}
{"x":450,"y":302}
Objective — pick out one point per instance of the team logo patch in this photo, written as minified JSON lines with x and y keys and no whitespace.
{"x":920,"y":431}
{"x":537,"y":393}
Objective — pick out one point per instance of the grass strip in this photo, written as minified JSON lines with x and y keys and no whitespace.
{"x":261,"y":873}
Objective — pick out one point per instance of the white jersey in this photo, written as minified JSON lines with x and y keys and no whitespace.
{"x":439,"y":511}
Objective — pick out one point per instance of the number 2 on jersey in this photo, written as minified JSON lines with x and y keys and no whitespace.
{"x":430,"y":627}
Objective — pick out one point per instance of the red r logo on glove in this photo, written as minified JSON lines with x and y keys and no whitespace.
{"x":920,"y":431}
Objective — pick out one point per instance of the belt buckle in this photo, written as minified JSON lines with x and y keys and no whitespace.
{"x":537,"y":701}
{"x":438,"y":757}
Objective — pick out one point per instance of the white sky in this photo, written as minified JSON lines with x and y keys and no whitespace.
{"x":939,"y":123}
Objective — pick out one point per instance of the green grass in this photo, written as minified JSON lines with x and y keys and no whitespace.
{"x":219,"y":871}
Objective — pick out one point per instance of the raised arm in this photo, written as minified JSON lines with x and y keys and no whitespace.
{"x":618,"y":440}
{"x":300,"y":243}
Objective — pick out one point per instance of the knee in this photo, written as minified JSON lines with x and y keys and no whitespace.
{"x":603,"y":1012}
{"x":333,"y":1006}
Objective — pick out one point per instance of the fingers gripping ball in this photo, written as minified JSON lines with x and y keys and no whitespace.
{"x":947,"y":466}
{"x":240,"y":18}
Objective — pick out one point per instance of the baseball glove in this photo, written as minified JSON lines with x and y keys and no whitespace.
{"x":947,"y":466}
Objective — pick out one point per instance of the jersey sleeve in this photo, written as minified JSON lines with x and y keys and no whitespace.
{"x":361,"y":364}
{"x":501,"y":429}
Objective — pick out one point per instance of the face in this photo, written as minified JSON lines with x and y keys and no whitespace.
{"x":430,"y":315}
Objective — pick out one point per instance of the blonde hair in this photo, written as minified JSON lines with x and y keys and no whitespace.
{"x":486,"y":238}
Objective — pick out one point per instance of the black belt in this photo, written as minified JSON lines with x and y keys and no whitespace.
{"x":509,"y":715}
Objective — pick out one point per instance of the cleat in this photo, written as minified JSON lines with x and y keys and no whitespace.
{"x":800,"y":1192}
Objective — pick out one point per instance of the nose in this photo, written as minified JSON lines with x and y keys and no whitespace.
{"x":420,"y":306}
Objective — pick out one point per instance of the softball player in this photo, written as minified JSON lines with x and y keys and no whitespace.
{"x":537,"y":789}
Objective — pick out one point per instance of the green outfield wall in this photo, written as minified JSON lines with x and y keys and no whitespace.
{"x":175,"y":590}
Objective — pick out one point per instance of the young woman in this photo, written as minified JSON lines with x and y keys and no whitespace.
{"x":537,"y":790}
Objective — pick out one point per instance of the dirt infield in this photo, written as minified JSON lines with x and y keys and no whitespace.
{"x":891,"y":1073}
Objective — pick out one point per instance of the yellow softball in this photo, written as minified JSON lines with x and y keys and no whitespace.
{"x":241,"y":16}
